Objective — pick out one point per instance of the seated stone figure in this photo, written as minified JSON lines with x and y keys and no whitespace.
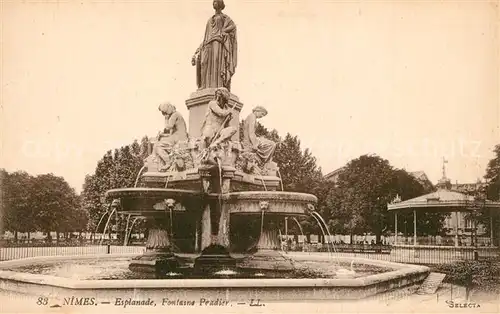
{"x":173,"y":133}
{"x":262,"y":147}
{"x":216,"y":129}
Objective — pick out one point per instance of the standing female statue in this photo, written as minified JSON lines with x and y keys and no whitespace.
{"x":216,"y":57}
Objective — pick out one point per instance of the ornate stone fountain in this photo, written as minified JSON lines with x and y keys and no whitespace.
{"x":205,"y":195}
{"x":195,"y":184}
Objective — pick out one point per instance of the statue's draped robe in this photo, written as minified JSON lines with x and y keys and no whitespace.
{"x":218,"y":54}
{"x":175,"y":126}
{"x":261,"y":146}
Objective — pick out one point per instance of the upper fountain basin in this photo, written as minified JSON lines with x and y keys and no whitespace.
{"x":269,"y":201}
{"x":141,"y":201}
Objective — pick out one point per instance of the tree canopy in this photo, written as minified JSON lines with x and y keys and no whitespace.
{"x":358,"y":203}
{"x":117,"y":169}
{"x":39,"y":203}
{"x":492,"y":176}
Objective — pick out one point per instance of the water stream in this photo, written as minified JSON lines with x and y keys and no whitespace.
{"x":139,"y":175}
{"x":326,"y":228}
{"x":128,"y":221}
{"x":281,"y":180}
{"x":298,"y":224}
{"x":126,"y":229}
{"x":129,"y":232}
{"x":100,"y":220}
{"x":107,"y":224}
{"x":322,"y":230}
{"x":171,"y":223}
{"x":263,"y":182}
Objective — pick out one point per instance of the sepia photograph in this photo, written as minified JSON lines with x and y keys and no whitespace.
{"x":249,"y":156}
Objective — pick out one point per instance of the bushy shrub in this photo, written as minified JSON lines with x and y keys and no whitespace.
{"x":481,"y":275}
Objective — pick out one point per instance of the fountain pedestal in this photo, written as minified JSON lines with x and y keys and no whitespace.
{"x":159,"y":257}
{"x":268,"y":240}
{"x":214,"y":258}
{"x":215,"y":222}
{"x":267,"y":256}
{"x":215,"y":217}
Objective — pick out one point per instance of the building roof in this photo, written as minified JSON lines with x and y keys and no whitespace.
{"x":468,"y":187}
{"x":442,"y":200}
{"x":418,"y":174}
{"x":333,"y":173}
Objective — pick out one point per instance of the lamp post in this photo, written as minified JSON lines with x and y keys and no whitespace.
{"x":286,"y":233}
{"x":286,"y":227}
{"x":480,"y":207}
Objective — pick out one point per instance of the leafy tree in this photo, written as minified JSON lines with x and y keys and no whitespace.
{"x":480,"y":214}
{"x":94,"y":188}
{"x":114,"y":170}
{"x":492,"y":176}
{"x":298,"y":168}
{"x":124,"y":172}
{"x":79,"y":221}
{"x":490,"y":192}
{"x":91,"y":201}
{"x":365,"y":186}
{"x":44,"y":203}
{"x":20,"y":205}
{"x":3,"y":200}
{"x":56,"y":203}
{"x":272,"y":135}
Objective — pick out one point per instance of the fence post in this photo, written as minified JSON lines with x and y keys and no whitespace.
{"x":109,"y":248}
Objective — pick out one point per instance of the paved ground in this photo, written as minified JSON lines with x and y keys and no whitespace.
{"x":411,"y":303}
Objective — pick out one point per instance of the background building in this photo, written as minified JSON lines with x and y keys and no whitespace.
{"x":464,"y":225}
{"x":334,"y":175}
{"x":423,"y":179}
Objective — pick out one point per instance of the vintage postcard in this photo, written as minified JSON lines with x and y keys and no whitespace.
{"x":244,"y":156}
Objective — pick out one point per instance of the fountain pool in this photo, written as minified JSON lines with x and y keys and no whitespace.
{"x":106,"y":278}
{"x":117,"y":269}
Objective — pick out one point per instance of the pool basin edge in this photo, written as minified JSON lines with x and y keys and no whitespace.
{"x":233,"y":290}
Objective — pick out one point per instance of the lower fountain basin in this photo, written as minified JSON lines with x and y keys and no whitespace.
{"x":60,"y":290}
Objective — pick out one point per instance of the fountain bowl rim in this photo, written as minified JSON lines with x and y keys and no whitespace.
{"x":120,"y":192}
{"x":397,"y":270}
{"x":271,"y":195}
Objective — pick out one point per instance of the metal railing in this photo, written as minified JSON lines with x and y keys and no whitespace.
{"x":424,"y":254}
{"x":9,"y":253}
{"x":400,"y":253}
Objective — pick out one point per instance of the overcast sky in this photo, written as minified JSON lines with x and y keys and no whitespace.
{"x":409,"y":81}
